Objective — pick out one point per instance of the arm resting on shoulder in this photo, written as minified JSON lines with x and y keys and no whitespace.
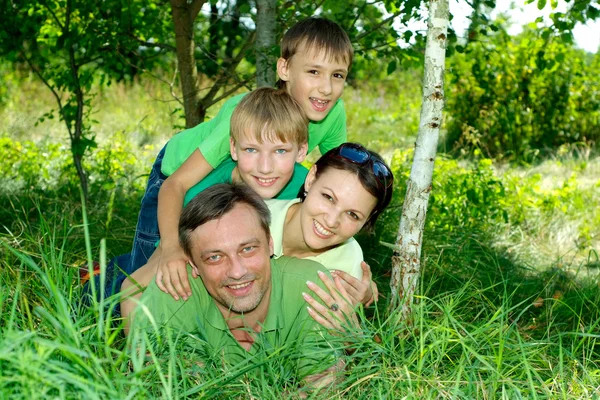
{"x":171,"y":276}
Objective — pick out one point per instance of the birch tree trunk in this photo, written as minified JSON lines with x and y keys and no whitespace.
{"x":265,"y":41}
{"x":406,"y":262}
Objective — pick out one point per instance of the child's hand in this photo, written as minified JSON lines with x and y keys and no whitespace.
{"x":360,"y":291}
{"x":171,"y":275}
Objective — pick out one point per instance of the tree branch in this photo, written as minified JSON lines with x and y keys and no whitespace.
{"x":227,"y":93}
{"x":195,"y":7}
{"x":376,"y":47}
{"x":54,"y":16}
{"x":49,"y":86}
{"x":358,"y":14}
{"x":379,"y":25}
{"x":153,"y":44}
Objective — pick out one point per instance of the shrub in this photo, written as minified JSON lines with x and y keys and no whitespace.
{"x":513,"y":96}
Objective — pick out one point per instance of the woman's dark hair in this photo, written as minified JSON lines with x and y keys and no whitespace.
{"x":379,"y":184}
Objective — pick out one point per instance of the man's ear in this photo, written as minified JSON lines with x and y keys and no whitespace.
{"x":282,"y":69}
{"x":302,"y":152}
{"x":232,"y":149}
{"x":310,"y":178}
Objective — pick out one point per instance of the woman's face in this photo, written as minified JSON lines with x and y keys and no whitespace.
{"x":335,"y":209}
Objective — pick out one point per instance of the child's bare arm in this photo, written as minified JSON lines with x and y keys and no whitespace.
{"x":171,"y":275}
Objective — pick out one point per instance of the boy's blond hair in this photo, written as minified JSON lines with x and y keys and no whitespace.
{"x":268,"y":114}
{"x":318,"y":34}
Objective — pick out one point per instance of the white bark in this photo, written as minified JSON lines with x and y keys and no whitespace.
{"x":406,"y":262}
{"x":266,"y":23}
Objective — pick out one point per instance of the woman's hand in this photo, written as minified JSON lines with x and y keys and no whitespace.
{"x":171,"y":273}
{"x":338,"y":312}
{"x":360,"y":291}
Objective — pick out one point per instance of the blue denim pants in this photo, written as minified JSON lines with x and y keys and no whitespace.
{"x":144,"y":241}
{"x":146,"y":231}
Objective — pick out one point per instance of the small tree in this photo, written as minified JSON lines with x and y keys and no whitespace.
{"x":406,"y":262}
{"x":63,"y":45}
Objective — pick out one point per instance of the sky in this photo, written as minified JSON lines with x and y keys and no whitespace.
{"x":586,"y":36}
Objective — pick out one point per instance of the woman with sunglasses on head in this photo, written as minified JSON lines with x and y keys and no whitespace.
{"x":345,"y":191}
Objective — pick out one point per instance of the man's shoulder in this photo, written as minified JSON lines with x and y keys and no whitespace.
{"x":296,"y":269}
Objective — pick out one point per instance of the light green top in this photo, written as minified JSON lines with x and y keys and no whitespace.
{"x":288,"y":329}
{"x":212,"y":137}
{"x":345,"y":257}
{"x":222,"y":174}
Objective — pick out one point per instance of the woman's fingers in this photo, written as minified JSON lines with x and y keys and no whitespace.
{"x":347,"y":309}
{"x":360,"y":291}
{"x":319,"y":319}
{"x":355,"y":289}
{"x":321,"y":314}
{"x":338,"y":310}
{"x":375,"y":296}
{"x":321,"y":294}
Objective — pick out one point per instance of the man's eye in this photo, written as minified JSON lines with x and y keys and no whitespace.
{"x":248,"y":249}
{"x":214,"y":258}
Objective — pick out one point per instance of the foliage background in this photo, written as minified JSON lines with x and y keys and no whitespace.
{"x":508,"y":300}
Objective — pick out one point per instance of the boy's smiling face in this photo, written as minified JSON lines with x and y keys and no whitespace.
{"x":314,"y":79}
{"x":268,"y":166}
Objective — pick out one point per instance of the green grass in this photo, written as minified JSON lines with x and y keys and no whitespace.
{"x":507,"y":305}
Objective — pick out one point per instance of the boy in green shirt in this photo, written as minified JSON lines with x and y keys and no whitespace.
{"x":316,"y":55}
{"x":268,"y":140}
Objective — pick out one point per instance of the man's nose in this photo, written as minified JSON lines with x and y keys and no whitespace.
{"x":237,"y":269}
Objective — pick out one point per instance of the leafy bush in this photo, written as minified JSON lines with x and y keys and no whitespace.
{"x":513,"y":96}
{"x":532,"y":218}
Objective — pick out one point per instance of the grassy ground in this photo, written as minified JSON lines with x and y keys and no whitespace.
{"x":508,"y":304}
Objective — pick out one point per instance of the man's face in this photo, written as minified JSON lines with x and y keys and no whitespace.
{"x":314,"y":80}
{"x":268,"y":166}
{"x":233,"y":258}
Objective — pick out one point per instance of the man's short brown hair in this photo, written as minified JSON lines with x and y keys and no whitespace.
{"x":216,"y":201}
{"x":318,"y":34}
{"x":270,"y":114}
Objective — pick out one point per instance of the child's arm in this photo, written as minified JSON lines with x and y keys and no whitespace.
{"x":171,"y":274}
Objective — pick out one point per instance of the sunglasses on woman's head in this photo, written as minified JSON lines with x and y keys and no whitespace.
{"x":360,"y":155}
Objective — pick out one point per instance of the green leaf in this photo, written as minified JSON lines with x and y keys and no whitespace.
{"x":391,"y":67}
{"x":541,"y":4}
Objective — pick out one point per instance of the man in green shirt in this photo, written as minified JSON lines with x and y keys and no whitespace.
{"x":246,"y":306}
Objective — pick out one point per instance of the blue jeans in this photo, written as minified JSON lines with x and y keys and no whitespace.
{"x":144,"y":241}
{"x":146,"y":231}
{"x":113,"y":280}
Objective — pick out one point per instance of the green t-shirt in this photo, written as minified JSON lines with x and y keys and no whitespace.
{"x":288,"y":329}
{"x":212,"y":137}
{"x":345,"y":257}
{"x":222,"y":174}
